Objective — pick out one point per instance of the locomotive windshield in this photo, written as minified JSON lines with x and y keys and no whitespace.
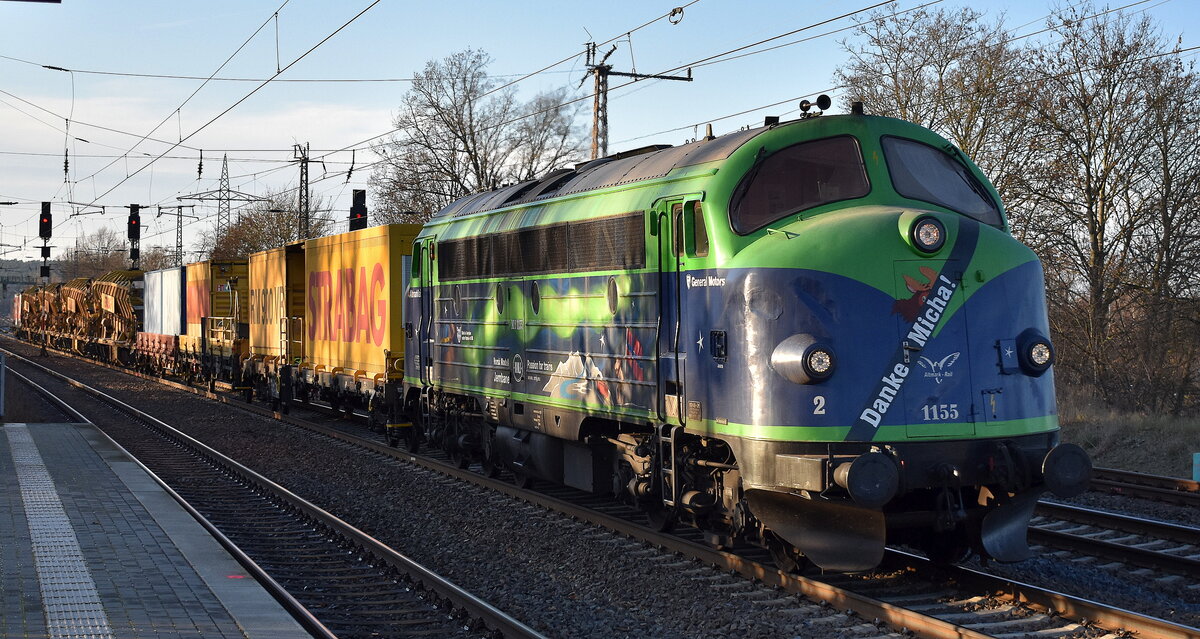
{"x":924,"y":173}
{"x":797,"y":178}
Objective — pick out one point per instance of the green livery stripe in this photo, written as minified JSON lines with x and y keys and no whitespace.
{"x":1010,"y":428}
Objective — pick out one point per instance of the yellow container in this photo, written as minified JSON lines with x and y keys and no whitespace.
{"x":217,"y":293}
{"x":276,"y":303}
{"x":354,"y":289}
{"x":216,"y":289}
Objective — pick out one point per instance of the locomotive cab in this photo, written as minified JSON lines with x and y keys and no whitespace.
{"x":900,"y":333}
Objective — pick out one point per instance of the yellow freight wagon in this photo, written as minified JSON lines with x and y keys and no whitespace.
{"x":353,"y":321}
{"x":276,"y":304}
{"x":215,"y":337}
{"x":276,"y":318}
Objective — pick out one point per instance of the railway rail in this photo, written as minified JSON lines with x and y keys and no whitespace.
{"x":911,"y":594}
{"x":1157,"y":545}
{"x":1167,"y":489}
{"x":338,"y":581}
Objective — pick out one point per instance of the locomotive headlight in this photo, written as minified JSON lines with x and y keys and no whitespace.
{"x":801,"y":359}
{"x":928,"y":234}
{"x":1035,"y":353}
{"x":1039,"y":354}
{"x":819,"y":362}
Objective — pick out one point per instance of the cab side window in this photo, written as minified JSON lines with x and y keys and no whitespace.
{"x":690,"y":230}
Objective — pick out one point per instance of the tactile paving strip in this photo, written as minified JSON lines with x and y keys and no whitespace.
{"x":72,"y":604}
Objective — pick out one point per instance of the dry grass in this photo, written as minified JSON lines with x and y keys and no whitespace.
{"x":1155,"y":444}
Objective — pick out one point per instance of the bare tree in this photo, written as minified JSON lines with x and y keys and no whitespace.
{"x":1167,"y":243}
{"x":95,"y":254}
{"x":456,"y":134}
{"x":270,"y":223}
{"x":1090,"y":180}
{"x":950,"y":71}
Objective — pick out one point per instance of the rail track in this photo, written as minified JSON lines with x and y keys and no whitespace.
{"x":1166,"y":489}
{"x":1156,"y":545}
{"x":907,"y":593}
{"x":336,"y":580}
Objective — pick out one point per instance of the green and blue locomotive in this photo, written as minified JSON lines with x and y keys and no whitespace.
{"x":818,"y":336}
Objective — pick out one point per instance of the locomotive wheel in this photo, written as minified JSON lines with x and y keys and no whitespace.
{"x":458,"y":456}
{"x":522,"y":480}
{"x":413,"y":441}
{"x":491,"y":467}
{"x":490,"y":462}
{"x":659,"y":517}
{"x":945,"y":548}
{"x":785,"y":555}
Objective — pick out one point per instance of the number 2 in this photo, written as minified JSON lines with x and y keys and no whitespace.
{"x":819,"y":405}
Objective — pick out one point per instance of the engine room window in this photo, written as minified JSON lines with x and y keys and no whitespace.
{"x":797,"y":178}
{"x":922,"y":172}
{"x":610,"y":243}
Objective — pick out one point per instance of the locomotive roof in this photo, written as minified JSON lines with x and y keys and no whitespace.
{"x":613,"y":170}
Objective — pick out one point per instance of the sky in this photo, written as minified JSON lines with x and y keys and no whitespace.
{"x":97,"y":117}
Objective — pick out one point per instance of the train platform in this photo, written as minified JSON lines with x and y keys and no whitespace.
{"x":91,"y":546}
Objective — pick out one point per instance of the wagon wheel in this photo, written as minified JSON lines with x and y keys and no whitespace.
{"x":377,"y":421}
{"x":786,"y":557}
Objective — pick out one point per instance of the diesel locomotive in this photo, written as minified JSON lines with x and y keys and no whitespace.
{"x":817,"y":336}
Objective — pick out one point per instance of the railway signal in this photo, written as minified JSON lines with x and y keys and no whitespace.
{"x":135,"y":221}
{"x":45,"y":223}
{"x":358,"y":210}
{"x":135,"y":235}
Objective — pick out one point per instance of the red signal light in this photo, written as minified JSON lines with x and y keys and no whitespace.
{"x":45,"y":227}
{"x":135,"y":220}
